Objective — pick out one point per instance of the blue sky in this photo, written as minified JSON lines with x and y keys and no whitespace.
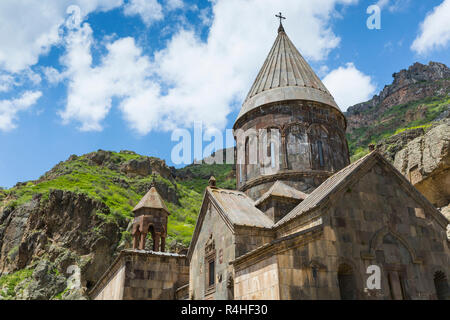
{"x":123,"y":74}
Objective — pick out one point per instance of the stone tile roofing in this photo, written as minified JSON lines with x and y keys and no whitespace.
{"x":239,"y":208}
{"x":280,"y":189}
{"x":325,"y":189}
{"x":286,"y":75}
{"x":152,"y":200}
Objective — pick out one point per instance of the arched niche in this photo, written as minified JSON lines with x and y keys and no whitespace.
{"x":298,"y":152}
{"x":319,"y":143}
{"x":347,"y":282}
{"x":386,"y":235}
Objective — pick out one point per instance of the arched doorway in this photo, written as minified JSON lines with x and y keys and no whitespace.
{"x":441,"y":285}
{"x":347,"y":283}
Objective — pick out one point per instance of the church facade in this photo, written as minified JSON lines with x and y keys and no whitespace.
{"x":303,"y":223}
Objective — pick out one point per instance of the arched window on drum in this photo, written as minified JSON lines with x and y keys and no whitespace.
{"x":320,"y":147}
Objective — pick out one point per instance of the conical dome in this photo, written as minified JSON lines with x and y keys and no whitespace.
{"x":286,"y":75}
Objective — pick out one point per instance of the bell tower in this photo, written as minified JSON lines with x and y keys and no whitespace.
{"x":150,"y":216}
{"x":289,"y":128}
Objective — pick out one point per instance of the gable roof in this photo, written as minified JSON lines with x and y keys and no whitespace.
{"x":282,"y":190}
{"x":285,"y":75}
{"x":340,"y":179}
{"x":239,"y":208}
{"x":153,"y":200}
{"x":234,"y":207}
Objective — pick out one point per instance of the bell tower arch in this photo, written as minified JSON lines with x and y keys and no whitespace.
{"x":150,"y":216}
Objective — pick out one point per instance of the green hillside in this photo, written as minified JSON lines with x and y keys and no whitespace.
{"x":394,"y":120}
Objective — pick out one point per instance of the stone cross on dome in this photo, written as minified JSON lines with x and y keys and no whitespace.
{"x":280,"y":16}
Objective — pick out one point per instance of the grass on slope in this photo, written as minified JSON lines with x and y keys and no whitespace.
{"x":202,"y":173}
{"x":109,"y":186}
{"x":9,"y":282}
{"x":392,"y":122}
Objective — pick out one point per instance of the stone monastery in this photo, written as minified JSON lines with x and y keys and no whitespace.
{"x":306,"y":227}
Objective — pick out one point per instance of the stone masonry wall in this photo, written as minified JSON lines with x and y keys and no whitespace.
{"x":259,"y":282}
{"x":143,"y":275}
{"x":214,"y":230}
{"x":297,"y":125}
{"x":375,"y":222}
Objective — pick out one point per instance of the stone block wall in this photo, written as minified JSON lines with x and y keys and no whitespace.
{"x":143,"y":275}
{"x":259,"y":282}
{"x":298,"y":126}
{"x":375,"y":221}
{"x":214,"y":232}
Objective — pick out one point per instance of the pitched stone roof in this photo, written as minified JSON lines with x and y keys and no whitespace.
{"x":152,"y":200}
{"x":339,"y":179}
{"x":286,"y":75}
{"x":239,"y":208}
{"x":279,"y":189}
{"x":321,"y":192}
{"x":235,"y":208}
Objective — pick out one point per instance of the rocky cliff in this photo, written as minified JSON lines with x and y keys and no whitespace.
{"x":413,"y":84}
{"x":424,"y":158}
{"x":53,"y":233}
{"x":417,"y":97}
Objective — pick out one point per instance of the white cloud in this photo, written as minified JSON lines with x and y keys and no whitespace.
{"x":393,"y":5}
{"x":28,"y":29}
{"x":52,"y":75}
{"x":206,"y":17}
{"x":6,"y":82}
{"x":174,"y":4}
{"x":190,"y":79}
{"x":121,"y":74}
{"x":10,"y":108}
{"x":149,"y":10}
{"x":349,"y":86}
{"x":434,"y":30}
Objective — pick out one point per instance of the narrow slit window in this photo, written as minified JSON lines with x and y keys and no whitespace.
{"x":320,"y":149}
{"x":403,"y":287}
{"x":391,"y":290}
{"x":272,"y":154}
{"x":211,"y":274}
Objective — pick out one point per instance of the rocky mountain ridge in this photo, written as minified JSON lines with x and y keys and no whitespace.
{"x":413,"y":84}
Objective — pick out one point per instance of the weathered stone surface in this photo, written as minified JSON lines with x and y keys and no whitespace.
{"x":45,"y":284}
{"x":143,"y":275}
{"x":425,"y":161}
{"x":329,"y":261}
{"x":64,"y":229}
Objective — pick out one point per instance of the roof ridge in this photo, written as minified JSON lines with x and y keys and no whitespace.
{"x":322,"y":191}
{"x":284,"y":190}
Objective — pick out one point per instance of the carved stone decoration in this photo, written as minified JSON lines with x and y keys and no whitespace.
{"x":210,"y":245}
{"x":221,"y":256}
